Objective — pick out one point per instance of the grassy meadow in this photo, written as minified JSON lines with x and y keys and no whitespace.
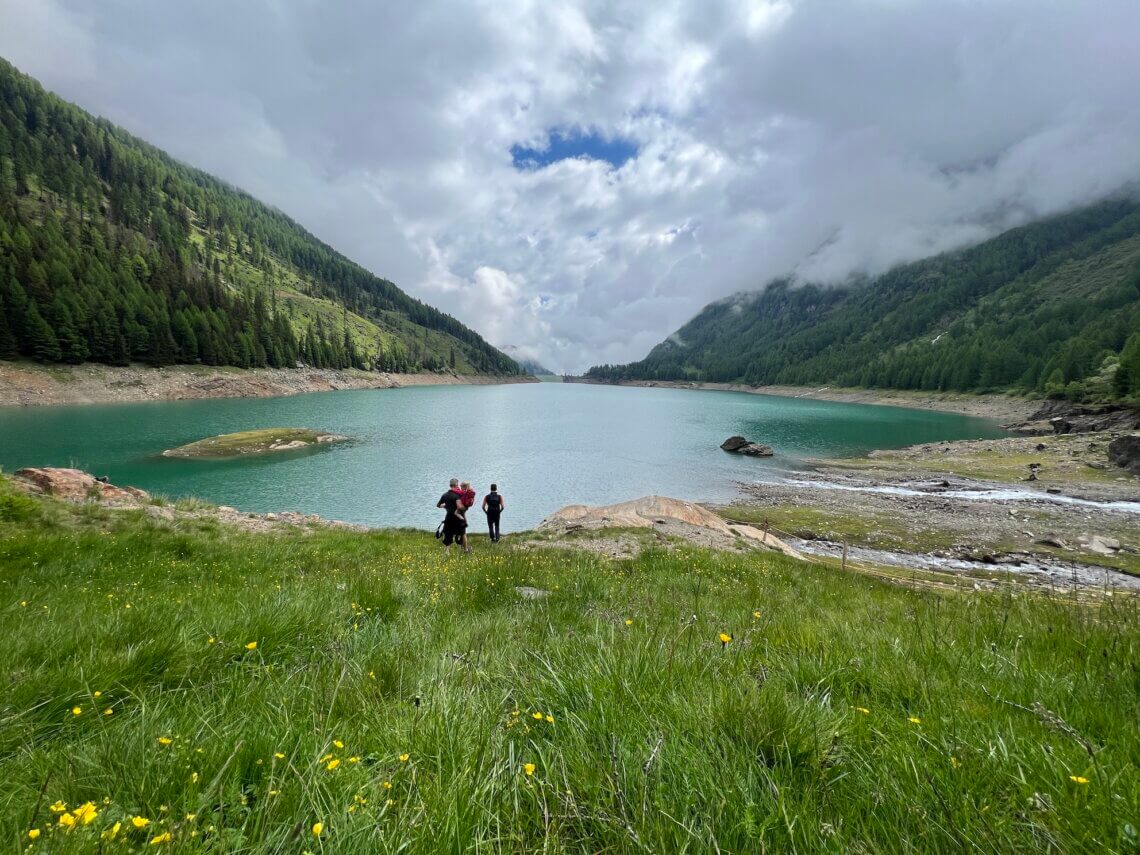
{"x":187,"y":687}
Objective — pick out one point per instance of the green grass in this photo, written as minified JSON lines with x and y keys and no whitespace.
{"x":662,"y":739}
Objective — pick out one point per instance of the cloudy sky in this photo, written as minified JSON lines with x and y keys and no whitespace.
{"x":579,"y":178}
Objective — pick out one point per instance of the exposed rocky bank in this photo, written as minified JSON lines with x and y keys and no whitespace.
{"x":26,"y":384}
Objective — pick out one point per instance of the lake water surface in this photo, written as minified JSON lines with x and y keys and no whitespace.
{"x":546,"y":444}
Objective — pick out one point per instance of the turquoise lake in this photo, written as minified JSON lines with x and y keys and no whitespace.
{"x":545,"y":444}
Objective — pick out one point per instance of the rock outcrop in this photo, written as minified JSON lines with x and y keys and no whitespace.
{"x":740,"y":445}
{"x":670,"y":516}
{"x":1065,"y":417}
{"x":75,"y":485}
{"x":1124,"y":451}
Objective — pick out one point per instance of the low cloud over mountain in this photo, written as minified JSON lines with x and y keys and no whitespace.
{"x":578,"y":179}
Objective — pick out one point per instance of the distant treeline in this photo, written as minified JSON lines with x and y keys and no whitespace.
{"x":1050,"y":308}
{"x":112,"y":251}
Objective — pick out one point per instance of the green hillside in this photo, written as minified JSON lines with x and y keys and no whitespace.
{"x":1049,"y":308}
{"x":111,"y":251}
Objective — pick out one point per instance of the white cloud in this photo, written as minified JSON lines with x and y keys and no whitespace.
{"x":810,"y":136}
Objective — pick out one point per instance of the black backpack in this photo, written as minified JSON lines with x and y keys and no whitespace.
{"x":494,"y":503}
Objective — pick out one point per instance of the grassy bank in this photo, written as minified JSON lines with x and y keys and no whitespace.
{"x":240,"y":691}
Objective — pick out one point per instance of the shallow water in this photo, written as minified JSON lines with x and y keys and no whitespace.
{"x":546,"y":444}
{"x":994,"y":495}
{"x":1052,"y":573}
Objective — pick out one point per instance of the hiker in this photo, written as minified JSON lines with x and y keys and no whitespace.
{"x":493,"y":506}
{"x":454,"y":525}
{"x":466,"y":502}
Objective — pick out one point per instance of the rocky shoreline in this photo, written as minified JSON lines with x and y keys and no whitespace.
{"x":1057,"y":502}
{"x":25,"y":384}
{"x":1007,"y":409}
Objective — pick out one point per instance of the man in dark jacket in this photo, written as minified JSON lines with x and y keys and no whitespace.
{"x":452,"y":523}
{"x":493,"y":506}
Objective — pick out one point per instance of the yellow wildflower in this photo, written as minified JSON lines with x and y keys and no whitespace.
{"x":85,"y":813}
{"x":112,"y":832}
{"x":353,"y":759}
{"x":338,"y":743}
{"x":274,"y":792}
{"x":278,"y":755}
{"x":59,"y":807}
{"x":159,"y":839}
{"x":193,"y":777}
{"x":98,"y":694}
{"x":164,"y":740}
{"x":863,"y":710}
{"x":405,"y":757}
{"x":550,"y":718}
{"x":538,"y":716}
{"x":332,"y":764}
{"x":954,"y":761}
{"x":629,"y":621}
{"x":756,"y":615}
{"x":914,"y":720}
{"x":33,"y":833}
{"x":725,"y":639}
{"x":387,"y":785}
{"x":190,"y":817}
{"x":529,"y":768}
{"x":140,"y":821}
{"x":318,"y":829}
{"x":251,"y":646}
{"x":67,"y":820}
{"x":1078,"y":779}
{"x":77,"y":710}
{"x":211,"y":640}
{"x":108,"y":711}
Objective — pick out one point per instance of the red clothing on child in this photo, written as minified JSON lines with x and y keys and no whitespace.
{"x":468,"y":497}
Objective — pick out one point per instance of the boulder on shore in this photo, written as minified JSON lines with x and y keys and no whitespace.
{"x":75,"y":485}
{"x":669,"y":516}
{"x":740,"y":445}
{"x":1124,"y":451}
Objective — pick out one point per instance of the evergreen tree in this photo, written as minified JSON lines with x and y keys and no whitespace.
{"x":42,"y":344}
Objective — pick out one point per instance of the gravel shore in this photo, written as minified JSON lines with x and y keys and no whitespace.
{"x":26,"y":384}
{"x":1006,"y":409}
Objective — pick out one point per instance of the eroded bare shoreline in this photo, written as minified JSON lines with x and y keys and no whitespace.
{"x":28,"y":385}
{"x":1002,"y":408}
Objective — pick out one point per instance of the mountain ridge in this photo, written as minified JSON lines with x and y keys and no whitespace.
{"x":113,"y":251}
{"x":1051,"y":308}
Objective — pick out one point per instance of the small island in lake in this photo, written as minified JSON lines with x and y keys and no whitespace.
{"x":254,"y":442}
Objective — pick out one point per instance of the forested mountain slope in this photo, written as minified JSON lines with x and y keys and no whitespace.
{"x":1050,"y":308}
{"x":112,"y":251}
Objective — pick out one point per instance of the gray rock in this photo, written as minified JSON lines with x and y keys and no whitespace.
{"x":1124,"y":451}
{"x":529,"y":593}
{"x":1100,"y":544}
{"x":740,"y":445}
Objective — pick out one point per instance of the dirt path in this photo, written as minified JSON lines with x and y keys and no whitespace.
{"x":28,"y":385}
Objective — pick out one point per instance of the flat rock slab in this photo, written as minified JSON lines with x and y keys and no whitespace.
{"x":75,"y":485}
{"x":254,"y":442}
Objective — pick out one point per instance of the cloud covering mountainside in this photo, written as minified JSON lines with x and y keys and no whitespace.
{"x":578,"y":179}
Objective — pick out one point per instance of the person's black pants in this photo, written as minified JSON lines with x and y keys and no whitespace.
{"x":493,"y":525}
